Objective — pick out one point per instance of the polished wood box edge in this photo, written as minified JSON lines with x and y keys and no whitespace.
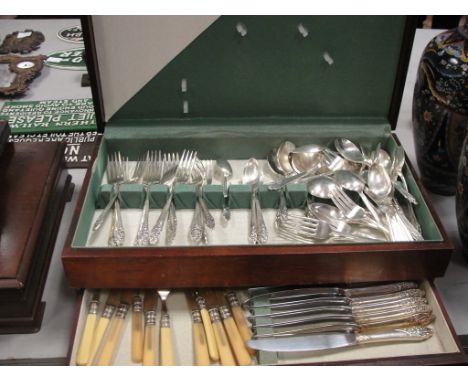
{"x":24,"y":313}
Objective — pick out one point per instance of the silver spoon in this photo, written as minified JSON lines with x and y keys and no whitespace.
{"x":224,"y":170}
{"x":350,"y":151}
{"x":282,"y":157}
{"x":258,"y":232}
{"x":353,"y":182}
{"x":305,"y":158}
{"x":379,"y":182}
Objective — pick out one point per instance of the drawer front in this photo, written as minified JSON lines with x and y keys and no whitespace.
{"x":442,"y":348}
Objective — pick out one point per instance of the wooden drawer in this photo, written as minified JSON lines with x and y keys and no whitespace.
{"x":442,"y":348}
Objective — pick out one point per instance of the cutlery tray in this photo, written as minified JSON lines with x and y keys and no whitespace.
{"x":442,"y":348}
{"x":234,"y":97}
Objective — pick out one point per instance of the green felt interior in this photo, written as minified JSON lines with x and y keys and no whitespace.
{"x":274,"y":71}
{"x":220,"y":141}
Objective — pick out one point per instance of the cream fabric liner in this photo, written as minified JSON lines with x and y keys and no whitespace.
{"x":441,"y":342}
{"x":181,"y":328}
{"x":133,"y":49}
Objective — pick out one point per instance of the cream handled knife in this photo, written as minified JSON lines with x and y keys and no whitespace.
{"x":137,"y":328}
{"x":104,"y":320}
{"x":86,"y":342}
{"x":317,"y":342}
{"x":113,"y":338}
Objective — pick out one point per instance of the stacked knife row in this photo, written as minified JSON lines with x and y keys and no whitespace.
{"x":220,"y":330}
{"x":317,"y":319}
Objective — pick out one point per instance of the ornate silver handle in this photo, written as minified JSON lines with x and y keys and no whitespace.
{"x":380,"y":289}
{"x":102,"y":217}
{"x":414,"y":333}
{"x":262,"y":231}
{"x":226,"y":210}
{"x":253,"y":220}
{"x":209,"y":220}
{"x":196,"y":227}
{"x":171,"y":228}
{"x":142,"y":237}
{"x":158,"y":227}
{"x":117,"y":234}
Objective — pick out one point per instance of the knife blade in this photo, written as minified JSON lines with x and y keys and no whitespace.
{"x":301,"y":293}
{"x":327,"y":341}
{"x":337,"y":300}
{"x":348,"y":309}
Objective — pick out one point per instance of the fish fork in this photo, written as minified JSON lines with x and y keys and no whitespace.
{"x":149,"y":173}
{"x":118,"y":169}
{"x":114,"y":176}
{"x":178,"y":173}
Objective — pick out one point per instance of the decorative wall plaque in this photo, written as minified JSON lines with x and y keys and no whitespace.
{"x":71,"y":34}
{"x":25,"y":70}
{"x":70,"y":59}
{"x":22,"y":42}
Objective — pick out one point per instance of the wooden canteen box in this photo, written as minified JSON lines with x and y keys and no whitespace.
{"x":234,"y":88}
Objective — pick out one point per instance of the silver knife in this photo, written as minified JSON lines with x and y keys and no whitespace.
{"x":346,"y":308}
{"x":317,"y":342}
{"x":301,"y":293}
{"x":334,"y":300}
{"x":373,"y":318}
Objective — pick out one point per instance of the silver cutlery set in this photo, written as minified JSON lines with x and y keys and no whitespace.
{"x":322,"y":318}
{"x":352,"y":195}
{"x":337,"y":176}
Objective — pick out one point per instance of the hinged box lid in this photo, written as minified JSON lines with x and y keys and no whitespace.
{"x":186,"y":68}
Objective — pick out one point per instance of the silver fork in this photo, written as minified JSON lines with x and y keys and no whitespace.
{"x":118,"y":169}
{"x":149,"y":173}
{"x":349,"y":208}
{"x":115,"y":177}
{"x":180,"y":173}
{"x":201,"y":216}
{"x":171,"y":227}
{"x":303,"y":229}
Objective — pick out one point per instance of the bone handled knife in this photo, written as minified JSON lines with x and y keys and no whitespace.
{"x":149,"y":342}
{"x":113,"y":338}
{"x":106,"y":316}
{"x":86,"y":342}
{"x":239,"y":318}
{"x":137,"y":328}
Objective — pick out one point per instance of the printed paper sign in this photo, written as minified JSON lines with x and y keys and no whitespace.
{"x":49,"y":116}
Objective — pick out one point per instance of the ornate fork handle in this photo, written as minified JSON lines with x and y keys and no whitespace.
{"x":158,"y":227}
{"x":142,"y":238}
{"x":117,"y":235}
{"x":209,"y":220}
{"x":171,"y":227}
{"x":102,"y":217}
{"x":196,"y":227}
{"x":253,"y":219}
{"x":262,"y":231}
